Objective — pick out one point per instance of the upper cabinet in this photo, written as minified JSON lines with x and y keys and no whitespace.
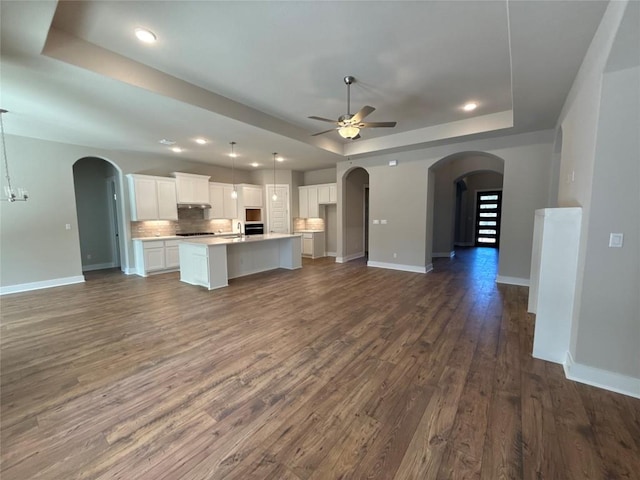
{"x":312,"y":196}
{"x":152,"y":198}
{"x":192,"y":188}
{"x":327,"y":193}
{"x":251,"y":196}
{"x":223,"y":205}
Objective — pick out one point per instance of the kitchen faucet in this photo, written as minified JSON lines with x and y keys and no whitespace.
{"x":240,"y":228}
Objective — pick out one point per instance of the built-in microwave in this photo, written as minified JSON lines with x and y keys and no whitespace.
{"x":254,"y":228}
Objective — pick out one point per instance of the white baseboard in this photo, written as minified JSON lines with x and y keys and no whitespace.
{"x":331,"y":254}
{"x":597,"y":377}
{"x":398,"y":266}
{"x":55,"y":282}
{"x":523,"y":282}
{"x":348,"y":258}
{"x":98,"y":266}
{"x":129,"y":271}
{"x":450,"y":254}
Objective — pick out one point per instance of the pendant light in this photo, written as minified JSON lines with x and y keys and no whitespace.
{"x":11,"y":194}
{"x":234,"y":192}
{"x":274,"y":197}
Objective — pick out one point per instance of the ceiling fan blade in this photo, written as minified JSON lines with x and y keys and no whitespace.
{"x":376,"y":124}
{"x":320,"y":133}
{"x":322,"y":119}
{"x":364,"y":111}
{"x":356,"y":137}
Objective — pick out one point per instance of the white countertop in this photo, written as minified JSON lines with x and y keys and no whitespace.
{"x":309,"y":231}
{"x":180,"y":237}
{"x":244,"y":239}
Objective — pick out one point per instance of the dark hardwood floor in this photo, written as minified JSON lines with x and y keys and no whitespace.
{"x":329,"y":372}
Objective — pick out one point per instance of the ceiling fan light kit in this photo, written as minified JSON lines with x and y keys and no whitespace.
{"x":349,"y":126}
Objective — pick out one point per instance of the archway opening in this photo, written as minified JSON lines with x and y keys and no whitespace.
{"x":459,"y":180}
{"x":355,"y":207}
{"x":98,"y":208}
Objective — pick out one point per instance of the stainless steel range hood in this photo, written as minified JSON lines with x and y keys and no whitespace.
{"x":199,"y":206}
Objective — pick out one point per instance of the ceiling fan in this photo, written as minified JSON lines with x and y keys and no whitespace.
{"x":348,"y":125}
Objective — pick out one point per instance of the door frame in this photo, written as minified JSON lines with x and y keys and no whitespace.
{"x":114,"y":218}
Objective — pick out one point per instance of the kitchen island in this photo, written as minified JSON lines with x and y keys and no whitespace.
{"x":211,"y":262}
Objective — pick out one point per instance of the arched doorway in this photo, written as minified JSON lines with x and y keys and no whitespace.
{"x":355,"y":214}
{"x":97,"y":185}
{"x":458,"y":179}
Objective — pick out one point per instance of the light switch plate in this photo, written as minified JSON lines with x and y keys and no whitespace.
{"x":376,"y":222}
{"x":615,"y":240}
{"x":383,"y":222}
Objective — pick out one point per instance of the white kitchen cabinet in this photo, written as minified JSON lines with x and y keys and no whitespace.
{"x":156,"y":256}
{"x":308,"y":206}
{"x":192,"y":188}
{"x":222,"y":204}
{"x":313,"y":244}
{"x":152,"y":198}
{"x":252,"y":196}
{"x":171,"y":254}
{"x":303,"y":203}
{"x":327,"y":193}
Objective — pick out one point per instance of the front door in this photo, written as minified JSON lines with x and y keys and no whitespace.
{"x":488,"y":208}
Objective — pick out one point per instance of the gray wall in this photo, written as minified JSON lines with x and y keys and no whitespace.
{"x":92,"y":197}
{"x":609,"y":333}
{"x":331,"y":228}
{"x":599,"y":172}
{"x":317,"y":177}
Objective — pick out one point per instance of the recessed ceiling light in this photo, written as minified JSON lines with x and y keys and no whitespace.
{"x":146,"y":36}
{"x":164,"y":141}
{"x":201,"y":141}
{"x":255,"y":164}
{"x":470,"y":106}
{"x":176,"y":149}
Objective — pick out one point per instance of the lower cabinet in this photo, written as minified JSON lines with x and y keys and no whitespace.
{"x":313,"y":244}
{"x":156,"y":256}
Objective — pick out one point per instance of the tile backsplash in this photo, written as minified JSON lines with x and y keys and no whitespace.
{"x":189,"y":220}
{"x":308,"y":224}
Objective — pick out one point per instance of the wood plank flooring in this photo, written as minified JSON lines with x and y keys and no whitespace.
{"x":329,"y":372}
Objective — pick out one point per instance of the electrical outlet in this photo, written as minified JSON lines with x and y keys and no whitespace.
{"x":88,"y":256}
{"x":67,"y":226}
{"x":395,"y":255}
{"x":383,"y":222}
{"x":616,"y":240}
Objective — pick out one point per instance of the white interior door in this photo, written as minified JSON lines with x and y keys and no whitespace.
{"x":278,"y":220}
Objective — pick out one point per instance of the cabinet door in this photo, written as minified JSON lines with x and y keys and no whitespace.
{"x":201,"y":191}
{"x":314,"y":211}
{"x":333,"y":193}
{"x":171,"y":257}
{"x":185,"y":187}
{"x":153,"y":259}
{"x":167,"y":200}
{"x":307,"y":246}
{"x":230,"y":203}
{"x":216,"y":198}
{"x":303,"y":202}
{"x":252,"y":196}
{"x":323,"y":194}
{"x":145,"y":199}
